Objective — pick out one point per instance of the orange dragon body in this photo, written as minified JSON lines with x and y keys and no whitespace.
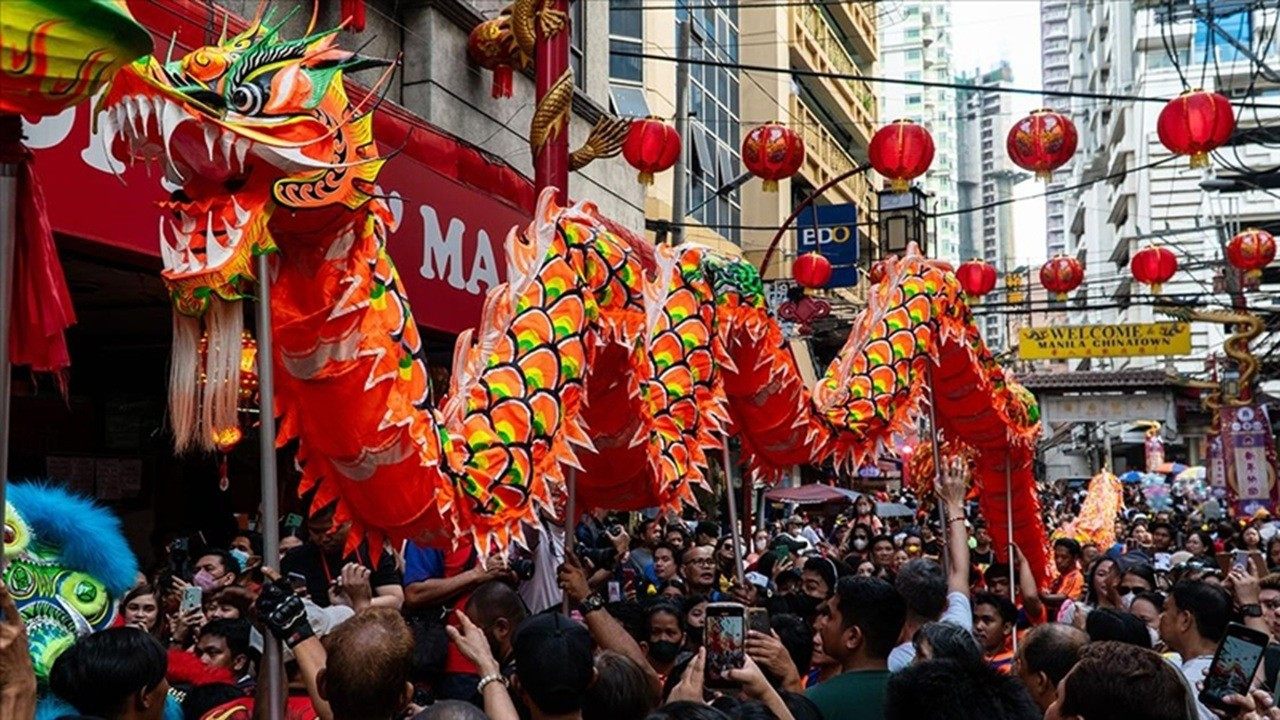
{"x":630,"y":364}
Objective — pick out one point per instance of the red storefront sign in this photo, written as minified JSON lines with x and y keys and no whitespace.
{"x":454,"y":204}
{"x":1250,"y":453}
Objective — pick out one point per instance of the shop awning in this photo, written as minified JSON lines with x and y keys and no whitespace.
{"x":816,"y":494}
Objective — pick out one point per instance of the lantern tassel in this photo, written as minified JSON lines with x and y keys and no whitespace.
{"x":770,"y":186}
{"x":1044,"y":175}
{"x":502,"y":81}
{"x":1200,"y":160}
{"x":1155,"y":288}
{"x":899,"y":185}
{"x":645,"y":177}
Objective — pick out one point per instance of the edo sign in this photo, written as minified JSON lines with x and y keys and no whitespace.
{"x":1081,"y":341}
{"x":832,"y":231}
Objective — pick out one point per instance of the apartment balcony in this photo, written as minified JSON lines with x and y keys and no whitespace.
{"x":814,"y":46}
{"x":824,"y":158}
{"x":857,"y":21}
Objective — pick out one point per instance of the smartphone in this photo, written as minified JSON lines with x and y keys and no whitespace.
{"x":1240,"y":560}
{"x":297,"y":581}
{"x":615,"y":592}
{"x":758,"y":620}
{"x":628,"y":578}
{"x":1234,"y":665}
{"x":192,"y":598}
{"x":725,"y":639}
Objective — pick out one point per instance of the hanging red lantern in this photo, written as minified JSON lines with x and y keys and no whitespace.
{"x":1042,"y":142}
{"x":1060,"y":275}
{"x":901,"y":151}
{"x":772,"y":152}
{"x":878,"y":271}
{"x":1250,"y":251}
{"x":651,"y":147}
{"x":1153,"y":266}
{"x":487,"y":46}
{"x":811,"y":270}
{"x":1195,"y":123}
{"x":977,"y":278}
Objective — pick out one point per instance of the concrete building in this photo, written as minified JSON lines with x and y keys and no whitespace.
{"x":1055,"y":75}
{"x":915,"y":44}
{"x":1140,"y":195}
{"x":986,"y":175}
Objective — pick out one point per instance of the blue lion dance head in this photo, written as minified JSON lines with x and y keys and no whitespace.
{"x":68,"y":566}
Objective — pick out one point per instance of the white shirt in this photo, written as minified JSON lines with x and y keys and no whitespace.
{"x":958,"y":612}
{"x":542,"y":591}
{"x":1193,"y":671}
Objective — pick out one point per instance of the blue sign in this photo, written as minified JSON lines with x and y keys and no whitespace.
{"x":831,"y":231}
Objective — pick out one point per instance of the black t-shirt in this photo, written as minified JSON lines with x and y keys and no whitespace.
{"x":982,"y":558}
{"x":321,"y":569}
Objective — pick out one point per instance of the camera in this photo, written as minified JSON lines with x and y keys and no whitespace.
{"x":596,"y":557}
{"x":180,"y":558}
{"x":522,"y":567}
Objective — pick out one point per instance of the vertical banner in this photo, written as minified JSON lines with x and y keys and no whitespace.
{"x":1249,"y":452}
{"x":1217,"y":468}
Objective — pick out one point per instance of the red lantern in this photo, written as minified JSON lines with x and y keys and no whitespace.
{"x":651,"y":147}
{"x":878,"y":271}
{"x":772,"y":152}
{"x":1195,"y":123}
{"x":1042,"y":142}
{"x":488,"y":49}
{"x":901,"y":151}
{"x":811,"y":270}
{"x":1250,"y":251}
{"x":1060,"y":275}
{"x":1153,"y":266}
{"x":977,"y":278}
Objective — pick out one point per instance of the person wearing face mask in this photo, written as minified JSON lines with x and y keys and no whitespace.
{"x":1147,"y":607}
{"x":860,"y":540}
{"x":816,"y":583}
{"x":759,"y":545}
{"x":1137,"y":578}
{"x":214,"y":569}
{"x":864,"y":513}
{"x":666,"y":637}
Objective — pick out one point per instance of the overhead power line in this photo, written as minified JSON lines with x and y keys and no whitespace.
{"x":800,"y":72}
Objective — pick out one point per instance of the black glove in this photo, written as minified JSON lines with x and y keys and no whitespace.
{"x":284,"y":613}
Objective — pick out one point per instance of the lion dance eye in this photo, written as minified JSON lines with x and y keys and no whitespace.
{"x":86,"y":595}
{"x":16,"y":535}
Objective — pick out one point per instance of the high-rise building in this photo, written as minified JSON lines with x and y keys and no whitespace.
{"x":1055,"y":76}
{"x":985,"y":177}
{"x":915,"y":44}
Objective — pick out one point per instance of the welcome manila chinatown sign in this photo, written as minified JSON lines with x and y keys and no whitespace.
{"x":1088,"y":341}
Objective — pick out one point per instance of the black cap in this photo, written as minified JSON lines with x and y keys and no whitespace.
{"x":554,"y":662}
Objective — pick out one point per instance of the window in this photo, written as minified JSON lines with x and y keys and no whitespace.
{"x":913,"y":34}
{"x":628,"y":101}
{"x":713,"y":108}
{"x":1210,"y":42}
{"x":913,"y":99}
{"x":626,"y":34}
{"x":577,"y":39}
{"x":913,"y":54}
{"x":913,"y":75}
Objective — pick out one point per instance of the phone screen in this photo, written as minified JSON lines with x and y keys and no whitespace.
{"x":1234,"y":665}
{"x":725,"y":639}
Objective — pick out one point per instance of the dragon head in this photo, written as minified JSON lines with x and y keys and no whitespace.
{"x":68,"y":566}
{"x":240,"y":128}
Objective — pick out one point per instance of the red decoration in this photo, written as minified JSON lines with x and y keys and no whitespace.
{"x":1250,"y":251}
{"x":977,"y":278}
{"x":803,"y":310}
{"x":1195,"y":123}
{"x":353,"y":10}
{"x":878,"y":271}
{"x":1153,"y":266}
{"x":651,"y":147}
{"x":901,"y":151}
{"x":772,"y":152}
{"x":1060,"y":275}
{"x":811,"y":270}
{"x":1042,"y":142}
{"x":485,"y":46}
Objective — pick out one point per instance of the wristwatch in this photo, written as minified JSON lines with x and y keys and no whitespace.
{"x":1251,"y":610}
{"x":592,"y":603}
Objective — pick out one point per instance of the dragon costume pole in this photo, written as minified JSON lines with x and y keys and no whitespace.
{"x":937,"y":461}
{"x":1013,"y":578}
{"x":270,"y":492}
{"x":732,"y":502}
{"x":570,"y":521}
{"x":8,"y":237}
{"x":554,"y":86}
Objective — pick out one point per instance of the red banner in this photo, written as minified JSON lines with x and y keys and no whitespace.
{"x":1249,"y":450}
{"x":454,"y":203}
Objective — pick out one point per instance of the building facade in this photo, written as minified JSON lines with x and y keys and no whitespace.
{"x":1055,"y":75}
{"x":915,"y":44}
{"x":986,"y":176}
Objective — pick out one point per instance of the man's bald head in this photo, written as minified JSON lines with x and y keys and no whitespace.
{"x":1045,"y":655}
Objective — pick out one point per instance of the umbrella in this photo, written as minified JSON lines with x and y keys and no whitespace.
{"x":1191,"y":474}
{"x":816,"y":494}
{"x":1171,"y":467}
{"x":886,"y":510}
{"x":1131,"y":477}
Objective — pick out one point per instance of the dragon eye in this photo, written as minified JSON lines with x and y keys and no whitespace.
{"x":86,"y":595}
{"x":246,"y":99}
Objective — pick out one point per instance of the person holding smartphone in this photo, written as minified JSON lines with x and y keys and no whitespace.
{"x":1194,"y":621}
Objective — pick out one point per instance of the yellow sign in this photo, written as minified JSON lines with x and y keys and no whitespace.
{"x":1081,"y":341}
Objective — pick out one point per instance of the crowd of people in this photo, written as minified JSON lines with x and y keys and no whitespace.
{"x":852,"y":616}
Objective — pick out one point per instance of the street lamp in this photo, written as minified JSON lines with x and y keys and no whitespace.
{"x":902,"y":221}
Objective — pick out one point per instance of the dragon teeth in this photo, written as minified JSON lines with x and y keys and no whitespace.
{"x":242,"y":215}
{"x":210,"y":136}
{"x":168,"y":254}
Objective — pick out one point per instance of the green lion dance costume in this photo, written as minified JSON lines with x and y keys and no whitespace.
{"x":68,"y":567}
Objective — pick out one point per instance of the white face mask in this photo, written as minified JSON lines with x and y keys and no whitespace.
{"x":859,"y":544}
{"x":1127,"y":599}
{"x":762,"y":545}
{"x":1155,"y":635}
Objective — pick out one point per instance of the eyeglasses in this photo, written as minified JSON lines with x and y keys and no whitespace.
{"x":1271,"y":604}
